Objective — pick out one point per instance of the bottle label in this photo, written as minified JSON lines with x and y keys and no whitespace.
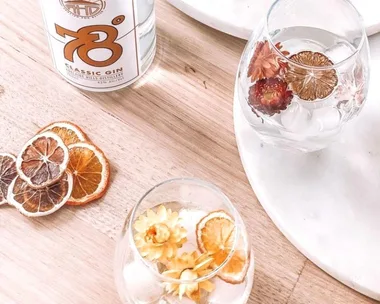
{"x":93,"y":42}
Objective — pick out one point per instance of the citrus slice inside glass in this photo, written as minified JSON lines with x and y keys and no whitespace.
{"x":8,"y":173}
{"x":43,"y":160}
{"x":91,"y":173}
{"x":40,"y":202}
{"x":215,"y":236}
{"x":308,"y":83}
{"x":69,"y":132}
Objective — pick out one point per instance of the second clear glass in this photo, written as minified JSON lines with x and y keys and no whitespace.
{"x":184,"y":243}
{"x":304,"y":73}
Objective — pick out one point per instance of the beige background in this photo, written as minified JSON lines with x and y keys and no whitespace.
{"x":177,"y":121}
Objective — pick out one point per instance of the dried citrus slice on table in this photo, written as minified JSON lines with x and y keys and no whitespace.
{"x":91,"y":173}
{"x":69,"y":132}
{"x":39,"y":202}
{"x":43,"y":160}
{"x":8,"y":173}
{"x":215,"y":236}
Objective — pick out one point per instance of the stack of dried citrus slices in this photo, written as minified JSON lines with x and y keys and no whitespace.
{"x":57,"y":166}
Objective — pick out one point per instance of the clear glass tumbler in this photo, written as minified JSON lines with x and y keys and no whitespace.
{"x":304,"y":73}
{"x":184,"y":242}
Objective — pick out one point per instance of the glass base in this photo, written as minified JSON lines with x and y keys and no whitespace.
{"x":309,"y":145}
{"x":138,"y":288}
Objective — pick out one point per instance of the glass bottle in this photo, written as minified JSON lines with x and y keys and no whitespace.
{"x":100,"y":45}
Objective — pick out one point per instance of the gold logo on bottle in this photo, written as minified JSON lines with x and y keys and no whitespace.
{"x":84,"y":8}
{"x":88,"y":38}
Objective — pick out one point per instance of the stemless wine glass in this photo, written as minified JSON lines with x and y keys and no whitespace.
{"x":304,"y":73}
{"x":184,"y":242}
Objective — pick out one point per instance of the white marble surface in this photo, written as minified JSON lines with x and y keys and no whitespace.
{"x":239,"y":17}
{"x":326,"y":203}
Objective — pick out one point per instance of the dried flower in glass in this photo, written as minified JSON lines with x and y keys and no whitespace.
{"x":351,"y":89}
{"x":189,"y":267}
{"x":159,"y":235}
{"x":265,"y":63}
{"x":269,"y":96}
{"x":311,"y":84}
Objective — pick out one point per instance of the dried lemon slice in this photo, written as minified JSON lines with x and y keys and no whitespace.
{"x":215,"y":236}
{"x":69,"y":132}
{"x":43,"y":160}
{"x":308,"y":83}
{"x":39,"y":202}
{"x":8,"y":173}
{"x":91,"y":173}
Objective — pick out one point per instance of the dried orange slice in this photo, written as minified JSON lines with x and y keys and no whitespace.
{"x":215,"y":235}
{"x":39,"y":202}
{"x":91,"y":173}
{"x":68,"y":131}
{"x":308,"y":83}
{"x":8,"y":173}
{"x":43,"y":160}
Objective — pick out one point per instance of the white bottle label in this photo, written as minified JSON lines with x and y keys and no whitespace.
{"x":93,"y":42}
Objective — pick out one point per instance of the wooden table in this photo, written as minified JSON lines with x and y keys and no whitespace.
{"x":177,"y":121}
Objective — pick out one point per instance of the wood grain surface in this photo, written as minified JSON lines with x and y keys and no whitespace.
{"x":176,"y":121}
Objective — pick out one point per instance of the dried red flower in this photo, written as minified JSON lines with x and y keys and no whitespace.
{"x":265,"y":63}
{"x":270,"y":96}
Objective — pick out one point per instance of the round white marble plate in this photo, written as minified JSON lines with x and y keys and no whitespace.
{"x":239,"y":17}
{"x":326,"y":203}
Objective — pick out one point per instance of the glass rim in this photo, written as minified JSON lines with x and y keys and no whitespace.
{"x":200,"y":182}
{"x":320,"y":68}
